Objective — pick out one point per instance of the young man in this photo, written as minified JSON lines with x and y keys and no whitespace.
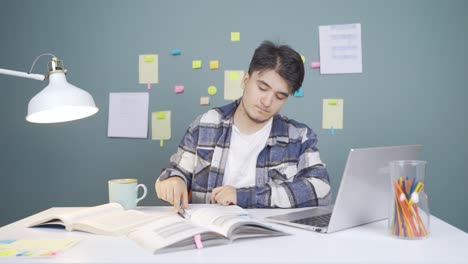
{"x":246,"y":153}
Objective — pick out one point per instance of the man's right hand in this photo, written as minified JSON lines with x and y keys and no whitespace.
{"x":174,"y":191}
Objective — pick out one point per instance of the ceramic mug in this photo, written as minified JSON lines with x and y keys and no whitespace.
{"x":125,"y":192}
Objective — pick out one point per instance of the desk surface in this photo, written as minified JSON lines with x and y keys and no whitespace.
{"x":369,"y":243}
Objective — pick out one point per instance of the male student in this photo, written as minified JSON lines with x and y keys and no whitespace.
{"x":246,"y":153}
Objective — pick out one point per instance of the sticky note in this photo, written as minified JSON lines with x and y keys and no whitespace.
{"x":235,"y":36}
{"x":232,"y":84}
{"x":7,"y":252}
{"x":204,"y":100}
{"x":332,"y":116}
{"x":179,"y":88}
{"x":196,"y":64}
{"x":7,"y":241}
{"x":148,"y":69}
{"x":149,"y":58}
{"x":212,"y":90}
{"x":214,"y":64}
{"x":160,"y":115}
{"x":175,"y":52}
{"x":299,"y":93}
{"x":161,"y":127}
{"x":315,"y":64}
{"x":303,"y":58}
{"x":233,"y":75}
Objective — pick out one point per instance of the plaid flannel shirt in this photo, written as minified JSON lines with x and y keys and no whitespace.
{"x":289,"y":171}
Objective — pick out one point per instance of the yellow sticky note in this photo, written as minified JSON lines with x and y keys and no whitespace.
{"x":332,"y":102}
{"x":303,"y":58}
{"x":233,"y":75}
{"x":332,"y":116}
{"x":148,"y":69}
{"x":160,"y":115}
{"x":149,"y":58}
{"x":204,"y":100}
{"x":196,"y":64}
{"x":8,"y":252}
{"x":212,"y":90}
{"x":214,"y":64}
{"x":161,"y":127}
{"x":235,"y":36}
{"x":232,"y":85}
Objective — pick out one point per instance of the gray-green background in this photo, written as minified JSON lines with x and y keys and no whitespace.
{"x":413,"y":89}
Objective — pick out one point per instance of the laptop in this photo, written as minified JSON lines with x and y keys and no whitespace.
{"x":363,"y":195}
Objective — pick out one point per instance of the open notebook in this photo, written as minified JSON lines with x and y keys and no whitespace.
{"x":363,"y":195}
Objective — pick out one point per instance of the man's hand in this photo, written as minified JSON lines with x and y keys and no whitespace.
{"x":174,"y":191}
{"x":224,"y":195}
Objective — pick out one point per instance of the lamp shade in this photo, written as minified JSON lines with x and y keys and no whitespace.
{"x":60,"y":102}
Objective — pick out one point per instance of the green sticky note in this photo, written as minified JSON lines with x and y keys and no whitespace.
{"x":235,"y":36}
{"x":332,"y":102}
{"x":160,"y":115}
{"x":303,"y":58}
{"x":233,"y":75}
{"x":149,"y":58}
{"x":196,"y":64}
{"x":212,"y":90}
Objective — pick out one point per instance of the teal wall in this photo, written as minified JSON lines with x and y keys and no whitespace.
{"x":413,"y":89}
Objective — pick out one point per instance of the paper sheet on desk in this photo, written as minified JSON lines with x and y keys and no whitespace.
{"x":35,"y":247}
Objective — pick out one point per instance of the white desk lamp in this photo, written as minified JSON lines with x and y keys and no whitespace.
{"x":59,"y":101}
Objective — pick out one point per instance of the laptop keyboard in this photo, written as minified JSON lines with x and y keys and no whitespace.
{"x":318,"y":220}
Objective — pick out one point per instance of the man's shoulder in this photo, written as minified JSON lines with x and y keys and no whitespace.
{"x":282,"y":120}
{"x":284,"y":126}
{"x":215,"y":116}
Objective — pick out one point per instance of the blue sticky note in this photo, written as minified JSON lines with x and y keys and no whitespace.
{"x":175,"y":52}
{"x":299,"y":93}
{"x":332,"y":131}
{"x":7,"y":241}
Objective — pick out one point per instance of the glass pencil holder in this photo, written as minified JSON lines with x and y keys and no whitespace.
{"x":409,"y":214}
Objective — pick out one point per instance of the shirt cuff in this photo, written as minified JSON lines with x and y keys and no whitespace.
{"x":246,"y":197}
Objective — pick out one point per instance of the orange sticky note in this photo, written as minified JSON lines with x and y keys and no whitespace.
{"x":204,"y":100}
{"x":214,"y":64}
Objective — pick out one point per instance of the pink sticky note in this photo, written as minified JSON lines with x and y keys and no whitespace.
{"x":315,"y":64}
{"x":148,"y":86}
{"x":179,"y":89}
{"x":198,"y":242}
{"x":204,"y":100}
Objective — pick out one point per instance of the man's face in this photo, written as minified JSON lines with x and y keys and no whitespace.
{"x":264,"y":95}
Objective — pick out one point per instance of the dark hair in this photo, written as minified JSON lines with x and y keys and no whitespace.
{"x":282,"y":59}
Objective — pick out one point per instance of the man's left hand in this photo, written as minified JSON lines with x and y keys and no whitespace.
{"x":224,"y":195}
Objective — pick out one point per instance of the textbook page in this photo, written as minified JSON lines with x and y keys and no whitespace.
{"x":106,"y":219}
{"x":231,"y":221}
{"x":171,"y":233}
{"x":68,"y":218}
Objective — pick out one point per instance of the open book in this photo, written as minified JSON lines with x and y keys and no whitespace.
{"x":160,"y":232}
{"x":106,"y":219}
{"x":202,"y":227}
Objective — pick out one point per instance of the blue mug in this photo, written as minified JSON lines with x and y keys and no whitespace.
{"x":125,"y":192}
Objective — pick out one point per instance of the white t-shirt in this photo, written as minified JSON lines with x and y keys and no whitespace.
{"x":242,"y":156}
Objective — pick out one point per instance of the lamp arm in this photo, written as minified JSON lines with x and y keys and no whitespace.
{"x":34,"y":76}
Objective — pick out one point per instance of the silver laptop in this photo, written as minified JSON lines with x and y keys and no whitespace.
{"x":363,"y":194}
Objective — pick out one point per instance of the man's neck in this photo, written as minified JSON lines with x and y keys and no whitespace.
{"x":244,"y":123}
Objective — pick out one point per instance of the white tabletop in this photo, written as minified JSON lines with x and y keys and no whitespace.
{"x":369,"y":243}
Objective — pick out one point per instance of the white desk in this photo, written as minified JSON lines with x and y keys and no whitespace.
{"x":370,"y":243}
